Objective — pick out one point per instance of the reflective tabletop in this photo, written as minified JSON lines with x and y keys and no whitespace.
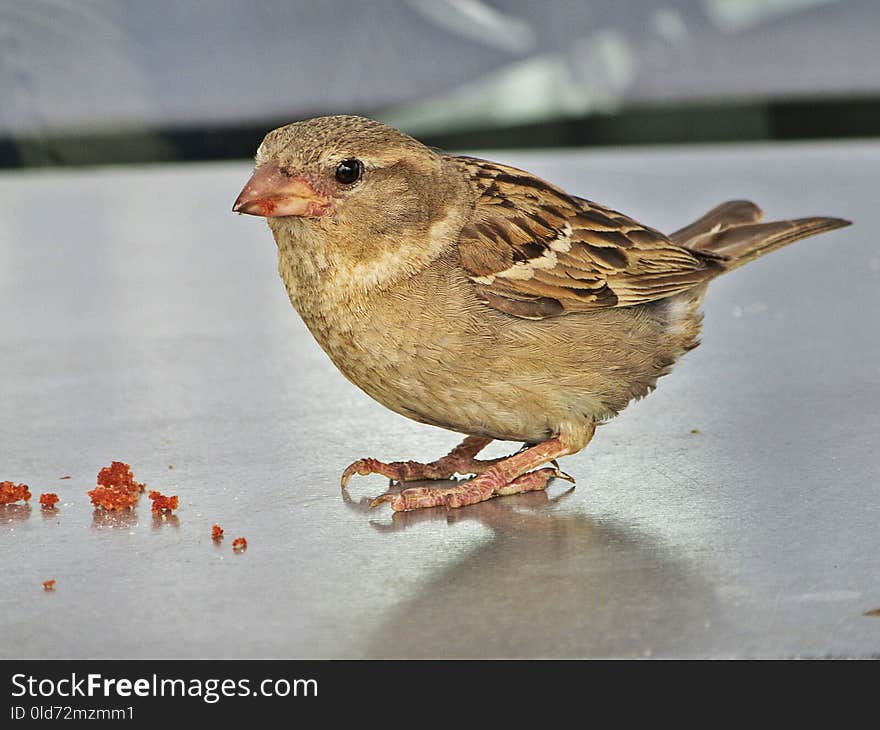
{"x":732,"y":513}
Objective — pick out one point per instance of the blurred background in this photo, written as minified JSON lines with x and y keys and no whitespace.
{"x":104,"y":81}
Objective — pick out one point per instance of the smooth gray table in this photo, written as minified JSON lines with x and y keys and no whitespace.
{"x":142,"y":321}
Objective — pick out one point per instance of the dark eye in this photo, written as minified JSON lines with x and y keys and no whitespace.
{"x":349,"y":171}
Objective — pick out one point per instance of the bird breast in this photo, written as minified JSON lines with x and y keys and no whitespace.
{"x":428,"y":349}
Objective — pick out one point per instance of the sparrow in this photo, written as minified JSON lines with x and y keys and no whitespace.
{"x":477,"y":297}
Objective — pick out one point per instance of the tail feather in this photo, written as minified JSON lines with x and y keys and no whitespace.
{"x":731,"y":213}
{"x":731,"y":232}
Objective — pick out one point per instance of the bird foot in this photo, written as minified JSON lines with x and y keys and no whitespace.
{"x":368,"y":466}
{"x":396,"y":471}
{"x":478,"y":489}
{"x":459,"y":461}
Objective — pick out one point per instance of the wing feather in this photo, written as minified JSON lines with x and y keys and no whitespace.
{"x":534,"y":251}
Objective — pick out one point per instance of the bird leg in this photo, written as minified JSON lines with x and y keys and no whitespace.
{"x":458,"y":461}
{"x":507,"y":476}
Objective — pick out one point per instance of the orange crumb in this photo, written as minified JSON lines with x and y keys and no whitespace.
{"x":239,"y":544}
{"x":66,"y":476}
{"x":49,"y":585}
{"x":48,"y":500}
{"x":216,"y":532}
{"x":111,"y":498}
{"x":116,"y":488}
{"x":10,"y":493}
{"x":119,"y":475}
{"x":161,"y":503}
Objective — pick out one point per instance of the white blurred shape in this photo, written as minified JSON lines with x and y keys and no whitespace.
{"x":737,"y":15}
{"x":475,"y":20}
{"x":670,"y":26}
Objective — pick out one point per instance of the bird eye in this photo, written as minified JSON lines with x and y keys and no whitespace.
{"x":349,"y":171}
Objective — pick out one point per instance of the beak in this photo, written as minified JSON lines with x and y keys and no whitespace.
{"x":270,"y":193}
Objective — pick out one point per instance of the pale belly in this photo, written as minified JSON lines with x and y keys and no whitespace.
{"x":450,"y":361}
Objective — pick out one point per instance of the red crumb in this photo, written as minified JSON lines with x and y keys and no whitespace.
{"x":48,"y":500}
{"x":116,"y":488}
{"x":239,"y":544}
{"x":10,"y":493}
{"x":216,"y":532}
{"x":66,"y":476}
{"x":161,"y":503}
{"x":49,"y":585}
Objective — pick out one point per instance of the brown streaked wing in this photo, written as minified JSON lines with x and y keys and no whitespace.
{"x":534,"y":251}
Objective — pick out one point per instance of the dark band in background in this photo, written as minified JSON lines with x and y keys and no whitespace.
{"x":779,"y":120}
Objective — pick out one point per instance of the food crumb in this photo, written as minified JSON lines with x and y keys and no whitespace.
{"x":49,"y":585}
{"x":874,"y":612}
{"x":116,"y":488}
{"x":119,"y":474}
{"x":239,"y":544}
{"x":161,"y":503}
{"x":48,"y":500}
{"x":11,"y":493}
{"x":66,"y":476}
{"x":111,"y":498}
{"x":216,"y":532}
{"x":695,"y":430}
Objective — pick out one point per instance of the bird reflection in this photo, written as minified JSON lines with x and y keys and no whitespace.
{"x":552,"y":581}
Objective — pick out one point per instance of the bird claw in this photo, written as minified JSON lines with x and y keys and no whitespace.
{"x":364,"y":467}
{"x":559,"y":474}
{"x":396,"y":472}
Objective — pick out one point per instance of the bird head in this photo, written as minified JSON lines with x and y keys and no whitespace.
{"x":351,"y":183}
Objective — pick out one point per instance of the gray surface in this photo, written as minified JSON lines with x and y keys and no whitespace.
{"x":142,"y":321}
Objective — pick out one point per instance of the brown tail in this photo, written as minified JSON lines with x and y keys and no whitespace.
{"x":731,"y":230}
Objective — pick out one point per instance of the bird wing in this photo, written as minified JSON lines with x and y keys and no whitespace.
{"x":534,"y":251}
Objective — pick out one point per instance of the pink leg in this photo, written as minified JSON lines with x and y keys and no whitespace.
{"x":458,"y":461}
{"x":507,"y":476}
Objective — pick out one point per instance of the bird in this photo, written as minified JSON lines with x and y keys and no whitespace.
{"x":477,"y":297}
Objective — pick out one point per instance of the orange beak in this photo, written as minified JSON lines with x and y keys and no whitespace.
{"x":271,"y":194}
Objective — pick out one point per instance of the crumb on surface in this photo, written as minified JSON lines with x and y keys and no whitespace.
{"x":161,"y":503}
{"x":11,"y":493}
{"x":239,"y":544}
{"x":874,"y":612}
{"x":695,"y":430}
{"x":216,"y":532}
{"x":49,"y":585}
{"x":66,"y":476}
{"x":48,"y":500}
{"x":111,"y":498}
{"x":116,"y":488}
{"x":119,"y":475}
